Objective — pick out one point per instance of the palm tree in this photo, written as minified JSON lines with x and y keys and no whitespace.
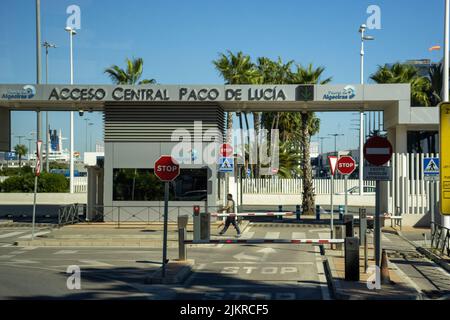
{"x":20,"y":150}
{"x":435,"y":74}
{"x":130,"y":75}
{"x":310,"y":125}
{"x":289,"y":161}
{"x":421,"y":88}
{"x":235,"y":69}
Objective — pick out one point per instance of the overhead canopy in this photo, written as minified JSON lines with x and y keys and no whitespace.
{"x":231,"y":97}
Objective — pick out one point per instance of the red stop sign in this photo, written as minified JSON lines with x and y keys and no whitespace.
{"x":346,"y":165}
{"x":377,"y":151}
{"x":167,"y":168}
{"x":226,"y":150}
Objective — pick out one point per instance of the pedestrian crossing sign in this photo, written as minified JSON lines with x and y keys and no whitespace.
{"x":226,"y":164}
{"x":430,"y":167}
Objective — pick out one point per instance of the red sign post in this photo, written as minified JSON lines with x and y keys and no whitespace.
{"x":166,"y":169}
{"x":346,"y":165}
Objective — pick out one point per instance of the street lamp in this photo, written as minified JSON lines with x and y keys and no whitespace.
{"x":362,"y":30}
{"x":47,"y":46}
{"x":71,"y":32}
{"x":335,"y":135}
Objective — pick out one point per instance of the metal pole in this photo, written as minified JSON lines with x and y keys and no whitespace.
{"x":346,"y":193}
{"x":432,"y":203}
{"x":166,"y":214}
{"x":366,"y":258}
{"x":332,"y":208}
{"x":377,"y":226}
{"x":34,"y":208}
{"x":38,"y":65}
{"x":361,"y":122}
{"x":71,"y":169}
{"x":446,"y":219}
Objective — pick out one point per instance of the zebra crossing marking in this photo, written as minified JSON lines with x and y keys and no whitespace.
{"x":272,"y":235}
{"x":298,"y":235}
{"x":11,"y":234}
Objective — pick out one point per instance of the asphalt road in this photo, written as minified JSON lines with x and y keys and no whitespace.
{"x":282,"y":271}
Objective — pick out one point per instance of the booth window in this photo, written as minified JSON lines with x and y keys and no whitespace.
{"x":143,"y":185}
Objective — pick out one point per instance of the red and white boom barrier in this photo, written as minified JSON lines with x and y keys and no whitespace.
{"x":294,"y":241}
{"x":253,"y":214}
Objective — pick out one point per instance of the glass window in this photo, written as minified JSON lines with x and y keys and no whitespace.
{"x":423,"y":142}
{"x":143,"y":185}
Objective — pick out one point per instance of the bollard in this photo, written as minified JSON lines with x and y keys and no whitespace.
{"x":298,"y":212}
{"x":338,"y":234}
{"x":351,"y":259}
{"x":348,"y":222}
{"x":362,"y":226}
{"x":280,"y":209}
{"x":205,"y":226}
{"x":317,"y":212}
{"x":197,"y":223}
{"x":341,"y":212}
{"x":181,"y":244}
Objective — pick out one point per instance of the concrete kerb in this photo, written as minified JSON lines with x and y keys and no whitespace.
{"x":176,"y":272}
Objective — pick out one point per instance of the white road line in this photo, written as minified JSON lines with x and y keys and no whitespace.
{"x":17,"y":252}
{"x":272,"y":235}
{"x":6,"y":256}
{"x":264,"y":263}
{"x":28,"y":248}
{"x":7,"y":245}
{"x":247,"y":235}
{"x":321,"y":274}
{"x":384,"y":238}
{"x":298,"y":235}
{"x":66,"y":252}
{"x":28,"y":236}
{"x":11,"y":234}
{"x":319,"y":230}
{"x":94,"y":263}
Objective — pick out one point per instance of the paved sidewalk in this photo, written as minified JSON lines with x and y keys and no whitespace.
{"x":400,"y":289}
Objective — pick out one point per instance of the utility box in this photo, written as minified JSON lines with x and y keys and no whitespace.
{"x":351,"y":259}
{"x":205,"y":226}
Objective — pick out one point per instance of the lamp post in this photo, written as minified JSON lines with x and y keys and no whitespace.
{"x":47,"y":46}
{"x":335,"y":135}
{"x":90,"y":136}
{"x":86,"y":136}
{"x":71,"y":32}
{"x":362,"y":30}
{"x":38,"y":66}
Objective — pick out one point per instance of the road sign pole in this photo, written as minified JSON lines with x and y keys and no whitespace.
{"x":332,"y":208}
{"x":432,"y":203}
{"x":377,"y":226}
{"x":346,"y":193}
{"x":166,"y":214}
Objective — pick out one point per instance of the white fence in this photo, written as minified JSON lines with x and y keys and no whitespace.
{"x":295,"y":186}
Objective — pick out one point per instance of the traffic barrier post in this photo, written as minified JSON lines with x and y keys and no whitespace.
{"x":298,"y":212}
{"x":351,"y":259}
{"x":317,"y":212}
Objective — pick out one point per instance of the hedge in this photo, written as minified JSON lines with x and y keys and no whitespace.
{"x":47,"y":182}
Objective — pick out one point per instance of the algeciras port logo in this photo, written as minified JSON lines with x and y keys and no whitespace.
{"x":348,"y":93}
{"x":27,"y":92}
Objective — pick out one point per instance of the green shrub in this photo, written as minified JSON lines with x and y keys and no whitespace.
{"x":47,"y":182}
{"x":16,"y":171}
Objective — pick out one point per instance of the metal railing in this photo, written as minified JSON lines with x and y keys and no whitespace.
{"x":122,"y":214}
{"x":440,"y":238}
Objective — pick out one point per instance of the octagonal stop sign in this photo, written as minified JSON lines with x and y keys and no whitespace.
{"x":346,"y":165}
{"x":166,"y":168}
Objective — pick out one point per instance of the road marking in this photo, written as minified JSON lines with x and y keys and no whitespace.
{"x":6,"y":256}
{"x":272,"y":235}
{"x":7,"y":245}
{"x":28,"y":248}
{"x":28,"y":236}
{"x":247,"y":235}
{"x":319,"y":230}
{"x":11,"y":234}
{"x":253,"y":262}
{"x":94,"y":263}
{"x":66,"y":252}
{"x":17,"y":252}
{"x":298,"y":235}
{"x":23,"y":261}
{"x":384,"y":238}
{"x":321,"y":275}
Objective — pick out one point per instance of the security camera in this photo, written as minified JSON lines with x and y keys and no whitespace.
{"x":81,"y":112}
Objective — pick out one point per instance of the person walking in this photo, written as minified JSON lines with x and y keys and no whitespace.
{"x":231,"y":218}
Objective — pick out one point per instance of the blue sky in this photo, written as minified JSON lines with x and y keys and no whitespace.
{"x":179,"y":39}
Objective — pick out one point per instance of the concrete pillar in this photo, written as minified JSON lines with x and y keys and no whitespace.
{"x":91,"y":192}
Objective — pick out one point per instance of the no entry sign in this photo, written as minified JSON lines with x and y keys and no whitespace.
{"x":167,"y":168}
{"x":346,"y":165}
{"x":377,"y":151}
